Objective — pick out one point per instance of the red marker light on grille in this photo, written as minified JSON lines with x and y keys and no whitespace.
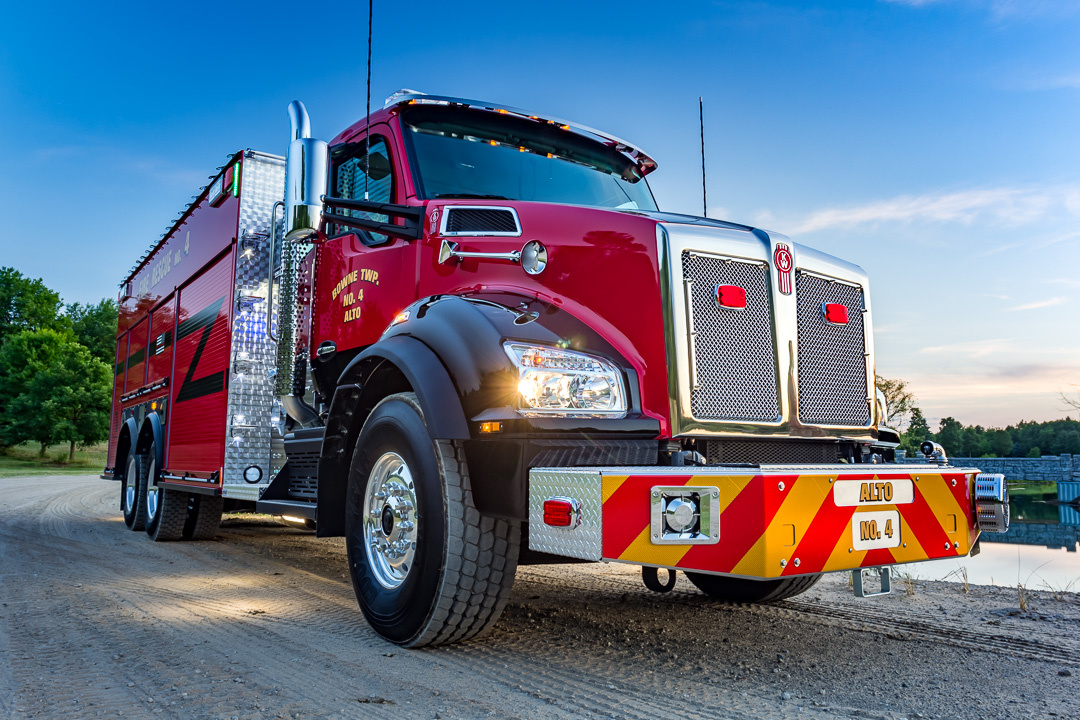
{"x":835,"y":313}
{"x":731,"y":296}
{"x":559,"y":512}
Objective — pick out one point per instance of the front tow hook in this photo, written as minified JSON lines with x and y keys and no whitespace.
{"x":651,"y":578}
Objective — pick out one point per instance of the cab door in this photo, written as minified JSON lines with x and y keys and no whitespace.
{"x":364,"y":278}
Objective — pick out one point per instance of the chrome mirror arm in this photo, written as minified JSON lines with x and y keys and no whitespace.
{"x":449,"y":251}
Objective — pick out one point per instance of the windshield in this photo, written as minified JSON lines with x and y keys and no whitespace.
{"x":458,"y":153}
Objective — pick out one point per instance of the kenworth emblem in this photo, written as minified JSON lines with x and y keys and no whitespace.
{"x":784,"y":262}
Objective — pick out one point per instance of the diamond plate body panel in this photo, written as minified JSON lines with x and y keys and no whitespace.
{"x":584,"y":541}
{"x":733,"y":350}
{"x":254,"y":352}
{"x":832,"y":358}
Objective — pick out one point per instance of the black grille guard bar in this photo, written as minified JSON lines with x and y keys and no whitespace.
{"x":413,"y":217}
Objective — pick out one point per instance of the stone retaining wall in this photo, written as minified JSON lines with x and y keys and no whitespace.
{"x":1048,"y":468}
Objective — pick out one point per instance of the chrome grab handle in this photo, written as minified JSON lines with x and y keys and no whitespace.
{"x":270,"y":273}
{"x":449,"y":251}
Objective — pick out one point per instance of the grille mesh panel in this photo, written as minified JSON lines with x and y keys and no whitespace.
{"x":764,"y":452}
{"x":832,"y":360}
{"x":463,"y":220}
{"x":734,"y":354}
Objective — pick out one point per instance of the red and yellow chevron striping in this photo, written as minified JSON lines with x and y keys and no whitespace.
{"x":774,"y":525}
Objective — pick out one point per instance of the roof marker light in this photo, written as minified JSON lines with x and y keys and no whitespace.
{"x":731,"y":297}
{"x":835,"y":313}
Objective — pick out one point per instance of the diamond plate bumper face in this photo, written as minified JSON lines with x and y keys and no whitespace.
{"x":254,"y":353}
{"x":582,"y":540}
{"x":772,"y":521}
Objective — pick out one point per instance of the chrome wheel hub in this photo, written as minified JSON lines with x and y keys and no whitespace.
{"x":152,"y":492}
{"x":390,"y":520}
{"x":129,"y":487}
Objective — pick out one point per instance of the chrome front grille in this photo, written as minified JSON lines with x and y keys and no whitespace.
{"x":733,"y":357}
{"x":832,"y":358}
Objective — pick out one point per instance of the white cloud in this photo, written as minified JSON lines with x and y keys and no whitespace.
{"x":1068,"y":282}
{"x":972,"y":349}
{"x":1011,"y":206}
{"x":1038,"y":304}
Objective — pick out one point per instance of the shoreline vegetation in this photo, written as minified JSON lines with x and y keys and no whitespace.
{"x":25,"y":460}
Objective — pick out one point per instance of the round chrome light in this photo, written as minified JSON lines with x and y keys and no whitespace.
{"x":680,"y":515}
{"x":534,"y":257}
{"x":252,"y":474}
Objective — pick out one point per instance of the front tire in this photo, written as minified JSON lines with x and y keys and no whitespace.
{"x":741,"y":590}
{"x":426,"y":567}
{"x":133,"y":494}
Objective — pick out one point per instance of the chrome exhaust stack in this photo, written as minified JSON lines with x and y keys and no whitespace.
{"x":991,"y":502}
{"x":306,"y":178}
{"x":307,"y":168}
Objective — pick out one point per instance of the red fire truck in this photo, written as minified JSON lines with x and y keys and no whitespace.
{"x":464,"y":337}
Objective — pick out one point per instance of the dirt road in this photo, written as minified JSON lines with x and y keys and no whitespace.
{"x":97,"y":621}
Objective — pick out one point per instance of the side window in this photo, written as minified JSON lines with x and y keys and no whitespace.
{"x":360,"y":176}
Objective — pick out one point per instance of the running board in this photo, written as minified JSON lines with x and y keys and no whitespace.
{"x":295,"y":508}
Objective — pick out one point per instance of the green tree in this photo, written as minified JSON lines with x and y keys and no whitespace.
{"x":74,"y":393}
{"x":52,"y":390}
{"x":26,"y":304}
{"x":974,"y":442}
{"x":1068,"y":441}
{"x":899,"y":400}
{"x":918,"y":431}
{"x":94,"y":326}
{"x":951,"y":435}
{"x":23,"y":357}
{"x":1001,"y":443}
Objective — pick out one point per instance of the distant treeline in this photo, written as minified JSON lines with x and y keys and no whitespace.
{"x":1025,"y":439}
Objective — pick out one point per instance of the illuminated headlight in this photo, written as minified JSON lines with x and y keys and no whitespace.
{"x":562,"y":383}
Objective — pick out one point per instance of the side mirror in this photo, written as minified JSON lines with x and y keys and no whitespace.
{"x":307,"y":168}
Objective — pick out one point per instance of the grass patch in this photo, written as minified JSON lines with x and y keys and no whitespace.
{"x":24,"y":460}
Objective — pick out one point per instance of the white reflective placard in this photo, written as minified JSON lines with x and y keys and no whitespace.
{"x":852,"y":493}
{"x":873,"y":530}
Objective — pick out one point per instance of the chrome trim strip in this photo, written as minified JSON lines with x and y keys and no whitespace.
{"x":691,"y":332}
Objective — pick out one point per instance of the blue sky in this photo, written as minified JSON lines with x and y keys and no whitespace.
{"x":934,"y":142}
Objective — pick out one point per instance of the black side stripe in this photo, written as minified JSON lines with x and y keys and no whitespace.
{"x":136,"y":357}
{"x":204,"y":320}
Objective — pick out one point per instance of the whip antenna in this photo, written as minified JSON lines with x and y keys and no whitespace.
{"x":367,"y":122}
{"x":704,"y":196}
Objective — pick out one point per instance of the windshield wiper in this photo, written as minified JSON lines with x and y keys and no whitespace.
{"x":469,"y":196}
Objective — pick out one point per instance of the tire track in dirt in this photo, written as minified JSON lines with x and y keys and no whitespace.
{"x":263,"y":623}
{"x":900,"y":625}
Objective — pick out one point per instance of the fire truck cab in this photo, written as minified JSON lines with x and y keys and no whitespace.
{"x":463,"y":336}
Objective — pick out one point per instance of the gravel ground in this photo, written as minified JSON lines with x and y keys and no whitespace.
{"x":97,"y":621}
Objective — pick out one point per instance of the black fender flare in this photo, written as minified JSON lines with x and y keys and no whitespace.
{"x":428,"y":378}
{"x":354,"y":399}
{"x":152,"y":433}
{"x":129,"y":434}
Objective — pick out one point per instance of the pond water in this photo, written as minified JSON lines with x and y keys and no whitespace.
{"x":1040,"y":551}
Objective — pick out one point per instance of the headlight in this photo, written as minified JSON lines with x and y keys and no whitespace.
{"x":561,"y":383}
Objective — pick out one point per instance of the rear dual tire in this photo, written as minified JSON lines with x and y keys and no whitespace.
{"x":175,"y":514}
{"x":133,"y":494}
